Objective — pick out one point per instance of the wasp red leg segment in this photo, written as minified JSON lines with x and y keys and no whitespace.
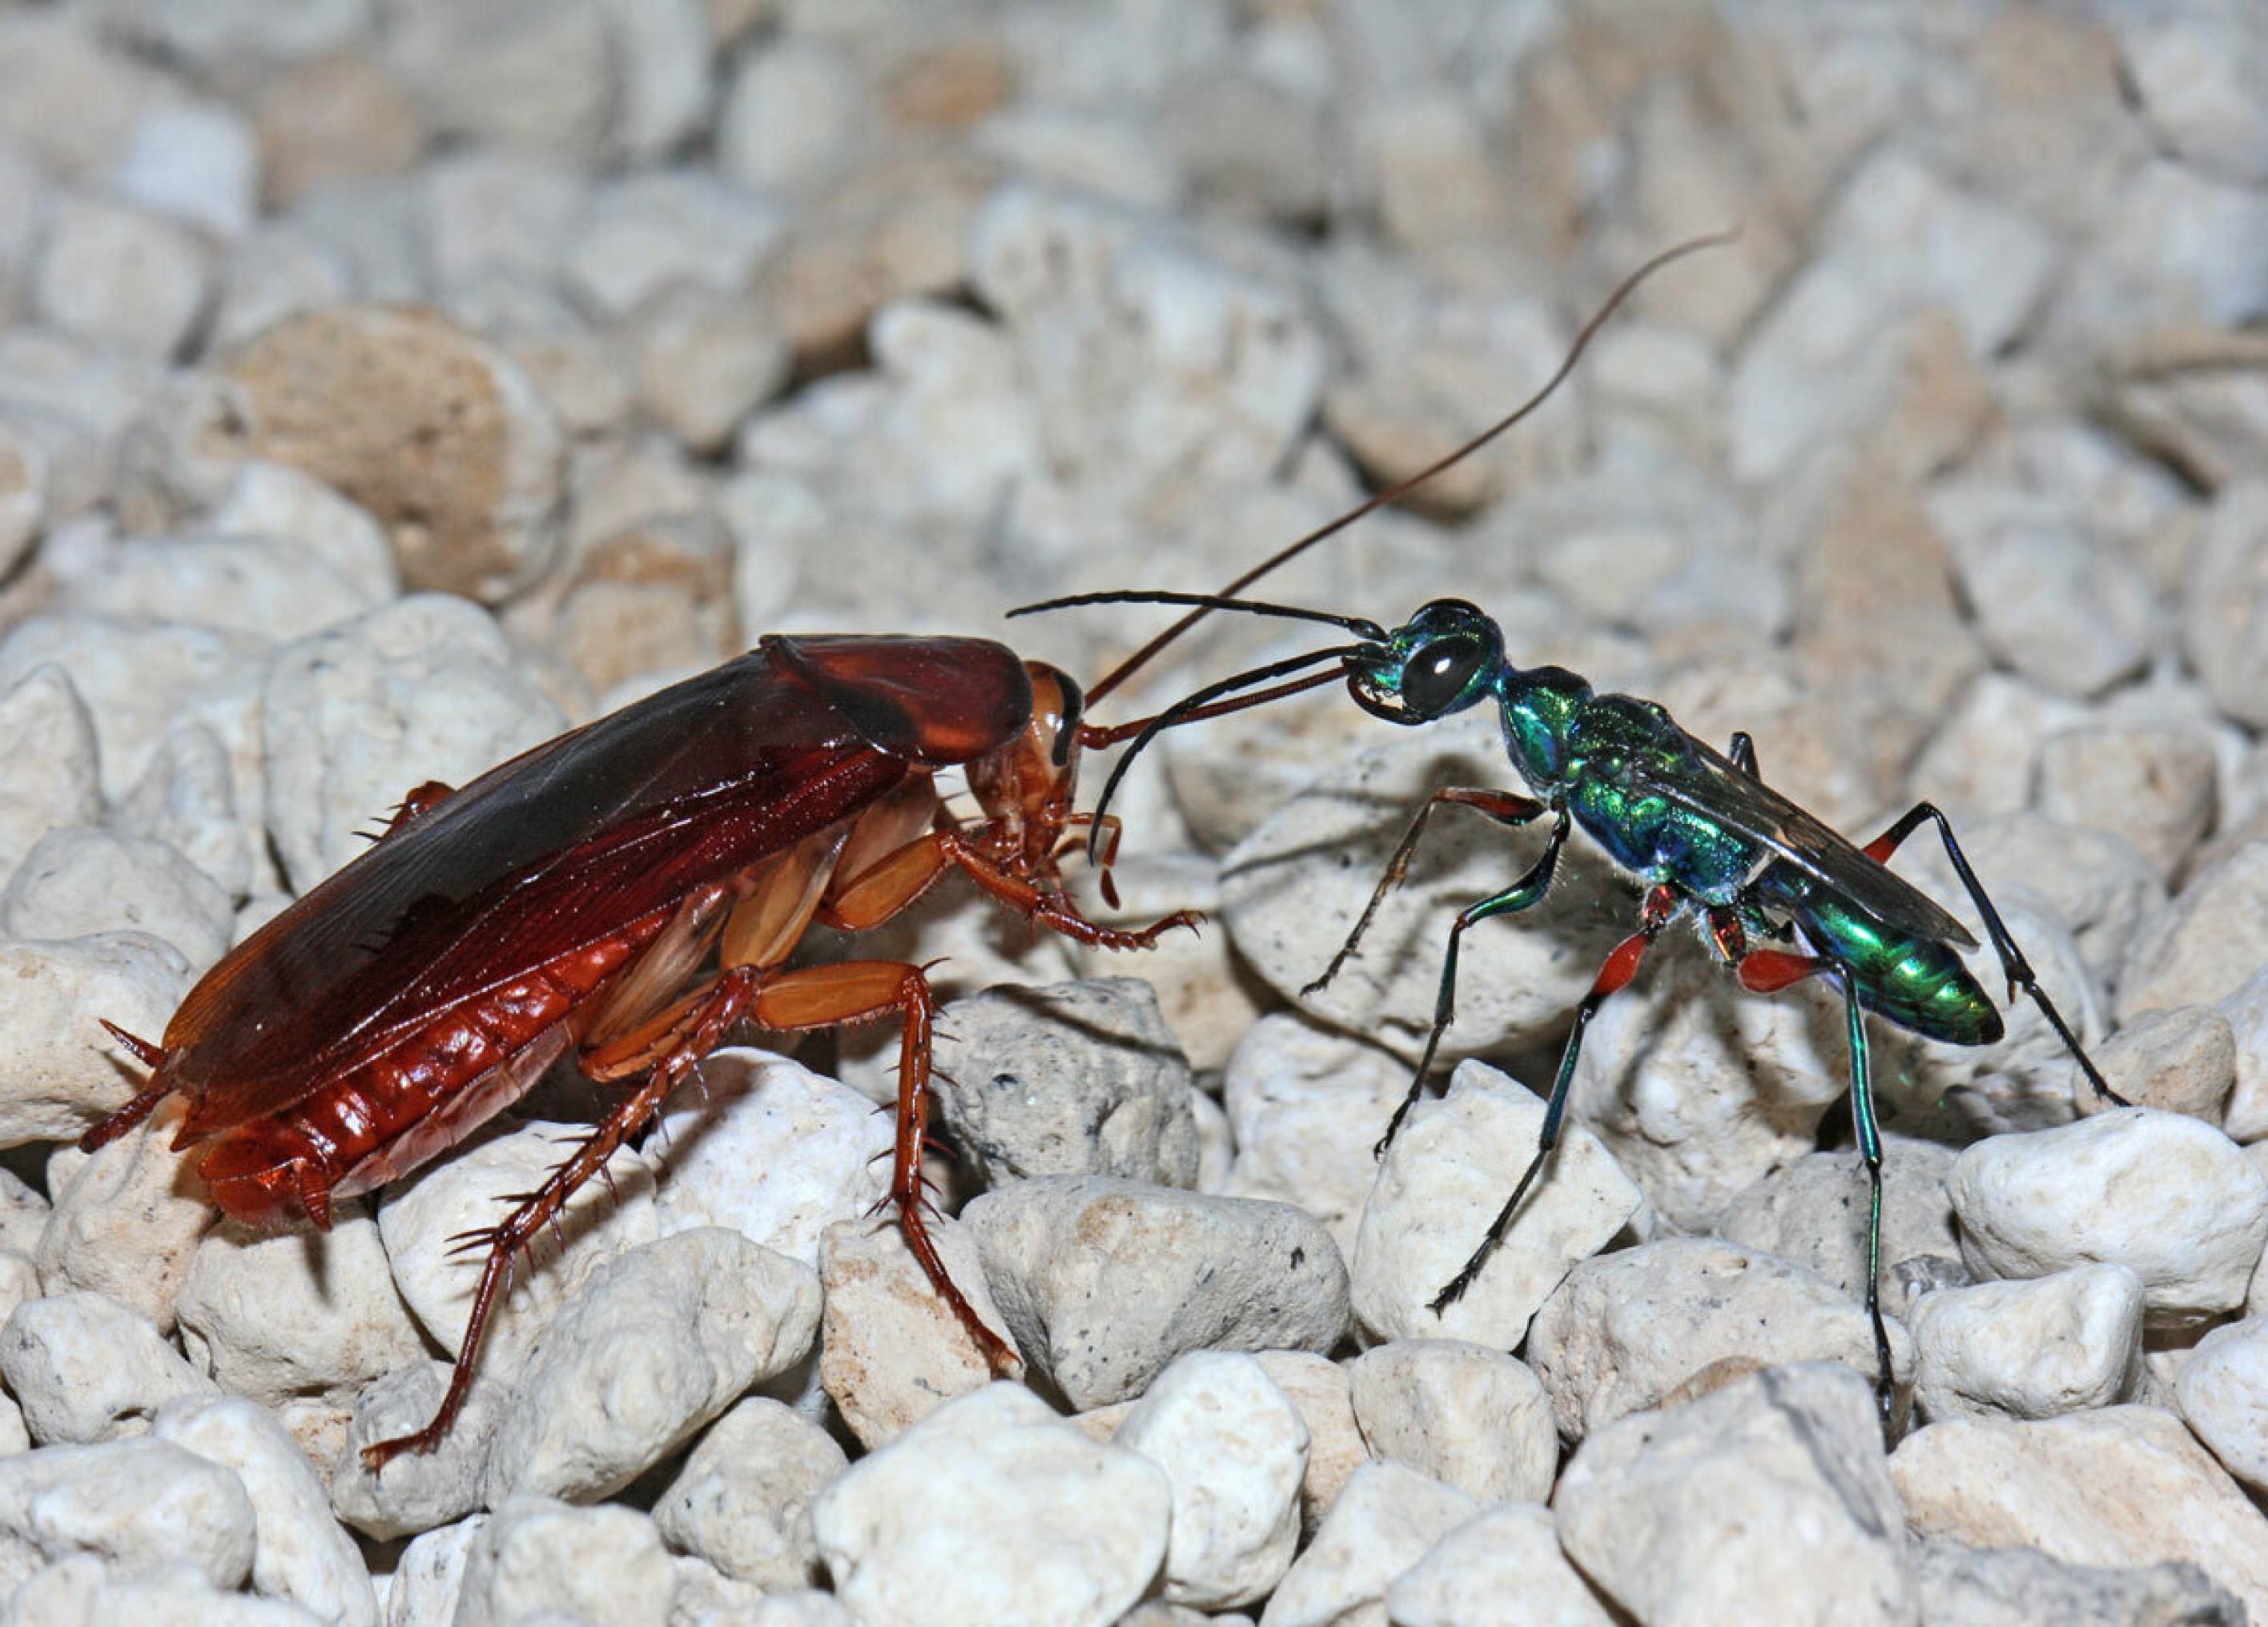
{"x":1505,"y":807}
{"x":2013,"y":966}
{"x":1528,"y":890}
{"x":1615,"y":974}
{"x":828,"y":997}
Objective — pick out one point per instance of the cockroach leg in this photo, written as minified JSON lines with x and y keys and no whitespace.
{"x":420,"y":801}
{"x":827,"y":996}
{"x":700,"y":1022}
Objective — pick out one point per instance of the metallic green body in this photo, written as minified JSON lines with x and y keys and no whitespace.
{"x":1669,"y":809}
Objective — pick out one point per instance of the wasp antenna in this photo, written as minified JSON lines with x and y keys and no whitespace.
{"x":1394,"y":493}
{"x":1359,"y":625}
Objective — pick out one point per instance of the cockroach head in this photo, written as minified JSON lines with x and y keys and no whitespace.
{"x":1441,"y":660}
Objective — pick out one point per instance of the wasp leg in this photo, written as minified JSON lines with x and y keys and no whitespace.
{"x":1506,"y":808}
{"x":2017,"y":969}
{"x":696,"y":1025}
{"x":1767,"y":971}
{"x":827,"y":996}
{"x":1529,"y":889}
{"x":1620,"y":967}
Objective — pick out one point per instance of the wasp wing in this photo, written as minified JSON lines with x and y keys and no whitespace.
{"x":1713,"y":784}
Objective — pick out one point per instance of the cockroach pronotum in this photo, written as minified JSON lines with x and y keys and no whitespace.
{"x":568,"y":902}
{"x":1699,"y":829}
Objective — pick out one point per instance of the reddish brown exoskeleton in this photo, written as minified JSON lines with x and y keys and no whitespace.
{"x":626,"y":893}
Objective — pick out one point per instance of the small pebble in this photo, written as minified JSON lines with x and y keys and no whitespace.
{"x":138,"y":678}
{"x":126,"y":1220}
{"x":1462,"y":1414}
{"x":1812,"y":1212}
{"x":1440,"y":1186}
{"x":2016,"y":1586}
{"x":1625,"y":1330}
{"x":742,"y":1501}
{"x":85,"y":1368}
{"x":272,"y":1315}
{"x":1236,"y":1449}
{"x":1502,"y":1568}
{"x":1104,"y":1281}
{"x":83,"y":879}
{"x":60,"y":1073}
{"x":47,"y":735}
{"x":2028,"y":1350}
{"x":276,"y":500}
{"x":892,"y":1351}
{"x":2205,"y":943}
{"x":1385,"y":1520}
{"x":1208,"y":999}
{"x":339,"y":392}
{"x":2117,"y":1486}
{"x":430,"y":1574}
{"x":187,"y":799}
{"x":993,"y":1510}
{"x":2223,"y":1389}
{"x":1306,"y":1107}
{"x":417,"y":1490}
{"x":299,"y":1552}
{"x":135,"y":1503}
{"x":2178,"y":1059}
{"x":1768,"y":1500}
{"x":535,"y":1555}
{"x":1077,"y":1079}
{"x":168,"y":1594}
{"x":1322,"y":1392}
{"x":122,"y":276}
{"x":776,"y":1151}
{"x":2173,"y":1199}
{"x":471,"y":1189}
{"x":656,"y":1342}
{"x":349,"y":726}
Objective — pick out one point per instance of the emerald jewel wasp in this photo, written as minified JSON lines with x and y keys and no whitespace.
{"x":1698,"y":827}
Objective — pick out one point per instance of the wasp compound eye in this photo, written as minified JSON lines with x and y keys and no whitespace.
{"x":1438,"y":675}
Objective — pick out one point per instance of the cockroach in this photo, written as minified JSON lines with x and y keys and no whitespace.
{"x":568,"y":902}
{"x":1700,"y":829}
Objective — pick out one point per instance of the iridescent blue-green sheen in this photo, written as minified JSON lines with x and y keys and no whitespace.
{"x":1602,"y":753}
{"x":1917,"y":984}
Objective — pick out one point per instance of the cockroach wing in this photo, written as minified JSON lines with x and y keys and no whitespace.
{"x":546,"y":854}
{"x":1713,"y":784}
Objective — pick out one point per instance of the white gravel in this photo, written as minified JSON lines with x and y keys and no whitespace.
{"x":386,"y":387}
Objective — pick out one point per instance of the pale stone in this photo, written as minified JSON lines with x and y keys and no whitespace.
{"x":993,"y":1509}
{"x":1771,"y":1496}
{"x":2028,"y":1350}
{"x":1441,"y":1185}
